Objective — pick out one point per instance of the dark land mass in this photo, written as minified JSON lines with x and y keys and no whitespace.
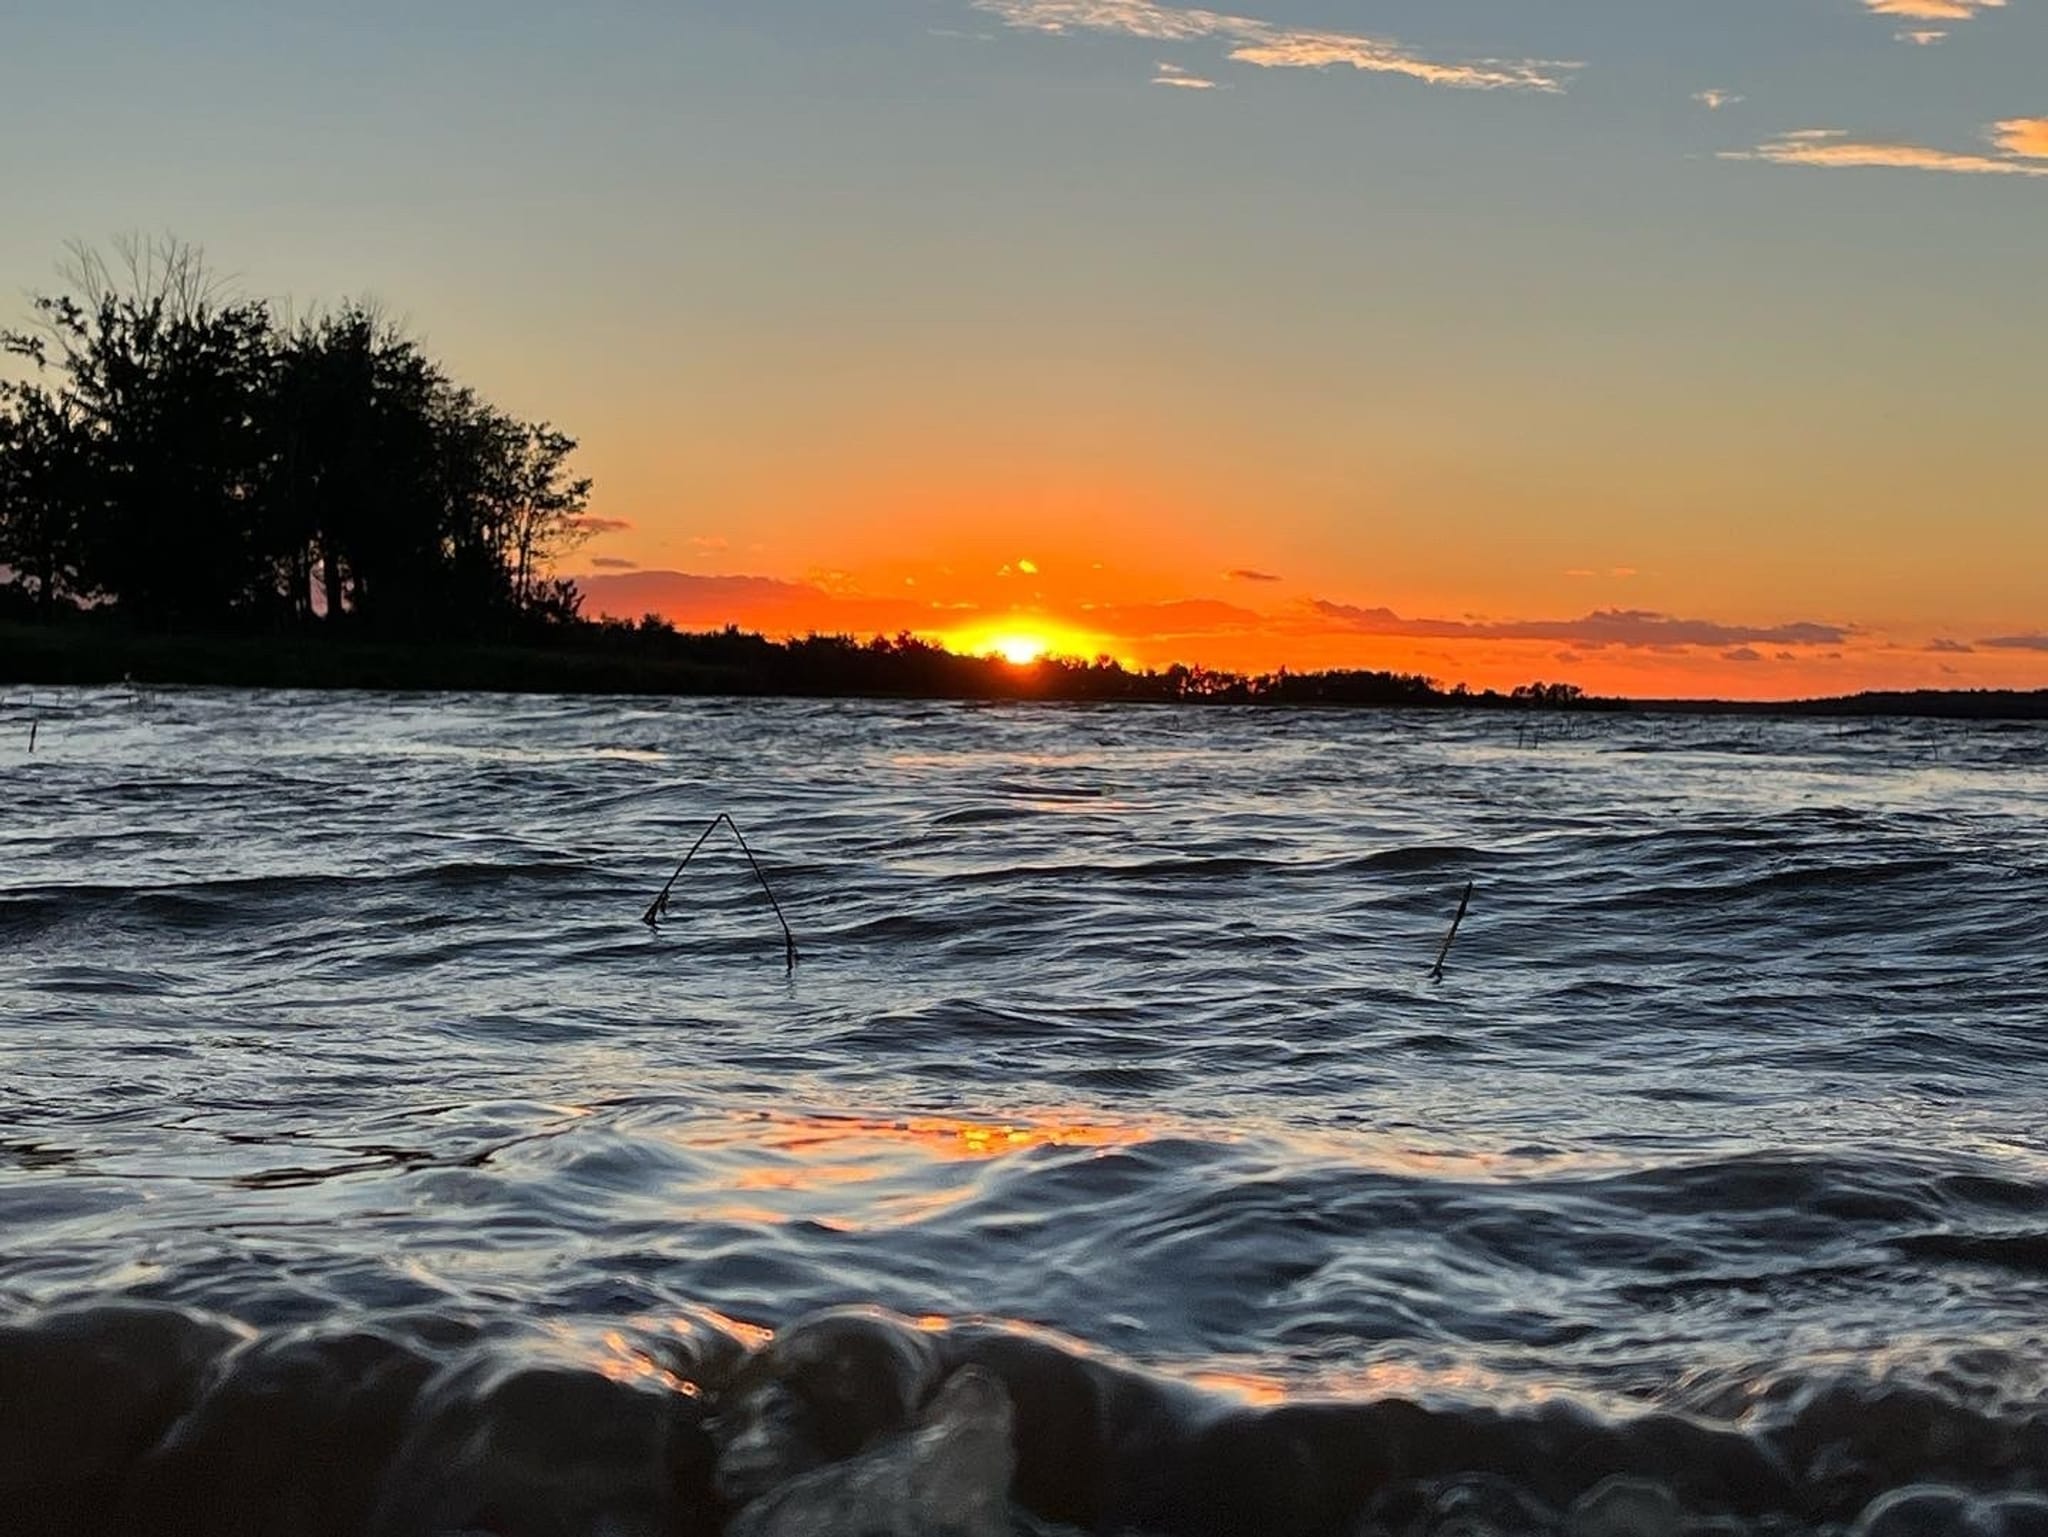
{"x":612,"y":657}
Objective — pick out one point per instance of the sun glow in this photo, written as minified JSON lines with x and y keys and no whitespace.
{"x":1019,"y":650}
{"x":1023,"y":643}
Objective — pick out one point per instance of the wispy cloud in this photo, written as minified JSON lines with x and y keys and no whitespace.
{"x":1949,"y":647}
{"x":1833,"y":148}
{"x":1247,"y":574}
{"x":1714,"y":100}
{"x":1173,"y":74}
{"x":1269,"y":45}
{"x":2022,"y":136}
{"x":2035,"y":642}
{"x":1926,"y":11}
{"x":1634,"y":627}
{"x":1932,"y":10}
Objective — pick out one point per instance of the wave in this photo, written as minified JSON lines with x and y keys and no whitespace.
{"x":1704,"y":1193}
{"x":233,"y":902}
{"x":146,"y":1419}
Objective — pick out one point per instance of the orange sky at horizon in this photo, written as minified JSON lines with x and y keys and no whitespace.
{"x":1619,"y":638}
{"x":1470,"y":530}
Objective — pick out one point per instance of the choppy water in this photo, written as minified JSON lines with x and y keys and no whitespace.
{"x":367,"y":1166}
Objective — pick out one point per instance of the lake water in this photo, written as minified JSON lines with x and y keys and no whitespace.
{"x":367,"y":1165}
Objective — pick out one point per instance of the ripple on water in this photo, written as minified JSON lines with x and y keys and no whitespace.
{"x":367,"y":1166}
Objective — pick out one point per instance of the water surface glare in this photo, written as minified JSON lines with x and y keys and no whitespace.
{"x":333,"y":1048}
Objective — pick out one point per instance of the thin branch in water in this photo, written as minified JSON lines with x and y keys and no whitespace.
{"x":658,"y":908}
{"x":1436,"y":972}
{"x":32,"y":724}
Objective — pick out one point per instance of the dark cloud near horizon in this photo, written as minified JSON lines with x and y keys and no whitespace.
{"x":1630,"y":627}
{"x":2035,"y":642}
{"x":1247,"y":574}
{"x":596,"y":527}
{"x":614,"y":563}
{"x":776,"y":605}
{"x":1950,"y":647}
{"x":771,"y":603}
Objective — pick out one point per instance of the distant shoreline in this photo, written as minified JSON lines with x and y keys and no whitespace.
{"x":618,"y":660}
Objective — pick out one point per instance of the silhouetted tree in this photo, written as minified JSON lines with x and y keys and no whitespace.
{"x":190,"y":460}
{"x":42,"y":496}
{"x":161,"y":384}
{"x":1552,"y":696}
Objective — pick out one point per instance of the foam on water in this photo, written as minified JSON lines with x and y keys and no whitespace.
{"x":1110,"y":1163}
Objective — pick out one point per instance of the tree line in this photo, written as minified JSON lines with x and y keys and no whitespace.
{"x":639,"y":656}
{"x":192,"y":459}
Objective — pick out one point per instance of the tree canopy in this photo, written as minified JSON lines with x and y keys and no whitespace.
{"x":194,"y":459}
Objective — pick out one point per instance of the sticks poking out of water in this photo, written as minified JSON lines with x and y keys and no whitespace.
{"x":658,"y":908}
{"x":1436,"y":972}
{"x":32,"y":724}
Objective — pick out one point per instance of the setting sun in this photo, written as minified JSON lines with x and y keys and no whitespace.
{"x":1019,"y":650}
{"x":1022,"y":641}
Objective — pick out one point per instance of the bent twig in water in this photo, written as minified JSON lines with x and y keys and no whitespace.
{"x":659,"y":906}
{"x":1436,"y":972}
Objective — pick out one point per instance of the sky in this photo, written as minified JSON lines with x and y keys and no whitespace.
{"x":1665,"y":348}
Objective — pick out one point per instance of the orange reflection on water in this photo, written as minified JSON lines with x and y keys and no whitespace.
{"x":807,"y":1177}
{"x":1365,"y":1382}
{"x":753,"y":1336}
{"x":850,"y":1173}
{"x":615,"y":1355}
{"x":623,"y":1361}
{"x":944,"y":1137}
{"x":638,"y":1356}
{"x":1246,"y":1387}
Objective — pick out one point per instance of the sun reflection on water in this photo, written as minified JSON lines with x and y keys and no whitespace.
{"x":946,"y":1138}
{"x":1369,"y":1381}
{"x":846,"y":1138}
{"x":853,"y":1173}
